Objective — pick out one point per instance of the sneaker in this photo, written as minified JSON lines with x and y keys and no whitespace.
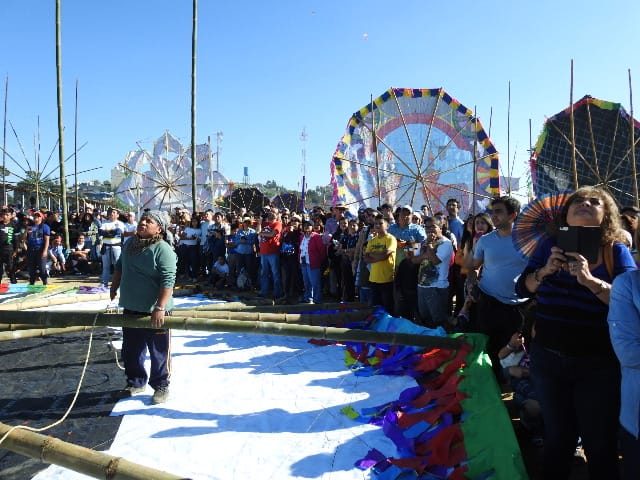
{"x":130,"y":391}
{"x":161,"y":395}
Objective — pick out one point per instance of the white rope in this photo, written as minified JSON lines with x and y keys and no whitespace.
{"x":113,"y":308}
{"x":75,"y":397}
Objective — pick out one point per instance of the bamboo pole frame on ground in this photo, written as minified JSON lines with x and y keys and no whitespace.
{"x":75,"y":318}
{"x":49,"y":302}
{"x":19,"y":333}
{"x":76,"y":458}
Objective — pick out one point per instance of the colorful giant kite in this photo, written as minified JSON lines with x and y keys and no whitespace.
{"x":415,"y":146}
{"x":163,"y":180}
{"x":604,"y":151}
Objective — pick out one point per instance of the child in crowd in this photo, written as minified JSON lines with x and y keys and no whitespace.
{"x":79,"y":256}
{"x":219,"y":273}
{"x":514,"y":359}
{"x":57,"y":257}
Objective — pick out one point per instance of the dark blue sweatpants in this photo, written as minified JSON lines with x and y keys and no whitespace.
{"x":135,"y":344}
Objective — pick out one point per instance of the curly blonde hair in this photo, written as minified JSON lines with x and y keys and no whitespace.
{"x":611,"y":225}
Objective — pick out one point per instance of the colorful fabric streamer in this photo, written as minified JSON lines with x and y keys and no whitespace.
{"x":452,"y":424}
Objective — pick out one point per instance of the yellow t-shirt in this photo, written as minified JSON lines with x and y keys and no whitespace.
{"x":382,"y":272}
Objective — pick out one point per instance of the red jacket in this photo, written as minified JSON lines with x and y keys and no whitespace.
{"x":317,"y":250}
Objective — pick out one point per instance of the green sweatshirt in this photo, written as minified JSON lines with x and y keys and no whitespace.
{"x":143,"y":276}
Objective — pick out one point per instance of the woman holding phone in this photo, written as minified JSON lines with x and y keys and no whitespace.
{"x":573,"y":365}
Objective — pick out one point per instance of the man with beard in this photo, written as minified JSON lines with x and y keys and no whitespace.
{"x":408,"y":235}
{"x":498,"y":304}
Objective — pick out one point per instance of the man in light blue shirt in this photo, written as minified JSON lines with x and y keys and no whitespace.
{"x":497,"y":307}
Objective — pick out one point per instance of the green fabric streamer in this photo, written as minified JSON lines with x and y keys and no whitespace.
{"x":489,"y":438}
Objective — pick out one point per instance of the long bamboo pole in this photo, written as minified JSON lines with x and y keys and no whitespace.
{"x":4,"y":145}
{"x":572,"y":130}
{"x":374,"y":144}
{"x":294,"y":318}
{"x":13,"y":305}
{"x":194,"y":156}
{"x":73,"y":318}
{"x":633,"y":145}
{"x":19,"y":333}
{"x":239,"y":306}
{"x":331,"y":319}
{"x":63,"y":177}
{"x":75,"y":151}
{"x":76,"y":458}
{"x":48,"y":302}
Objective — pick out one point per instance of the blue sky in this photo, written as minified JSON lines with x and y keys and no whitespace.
{"x":268,"y":69}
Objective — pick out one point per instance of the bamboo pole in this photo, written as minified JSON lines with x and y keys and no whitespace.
{"x":633,"y":144}
{"x":572,"y":130}
{"x":73,"y":318}
{"x":475,"y":161}
{"x":63,"y":178}
{"x":374,"y":145}
{"x":48,"y":302}
{"x":75,"y":152}
{"x":32,"y":296}
{"x":296,"y":318}
{"x":77,"y":458}
{"x":15,"y":326}
{"x":18,"y":333}
{"x":239,"y":306}
{"x":4,"y":144}
{"x":194,"y":44}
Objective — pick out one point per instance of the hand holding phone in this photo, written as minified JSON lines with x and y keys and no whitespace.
{"x":583,"y":240}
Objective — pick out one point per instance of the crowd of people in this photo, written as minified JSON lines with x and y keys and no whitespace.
{"x":559,"y":325}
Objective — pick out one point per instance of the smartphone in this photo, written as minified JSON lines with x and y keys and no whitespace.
{"x":583,"y":240}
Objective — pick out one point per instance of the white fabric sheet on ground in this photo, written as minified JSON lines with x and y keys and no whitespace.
{"x":251,"y":406}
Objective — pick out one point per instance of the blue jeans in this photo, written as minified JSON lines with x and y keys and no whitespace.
{"x":110,"y":257}
{"x":312,"y":278}
{"x":433,"y":306}
{"x":136,"y":342}
{"x":579,"y":396}
{"x":36,"y":263}
{"x":270,"y":262}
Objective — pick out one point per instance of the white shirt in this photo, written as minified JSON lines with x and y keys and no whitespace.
{"x":130,"y":228}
